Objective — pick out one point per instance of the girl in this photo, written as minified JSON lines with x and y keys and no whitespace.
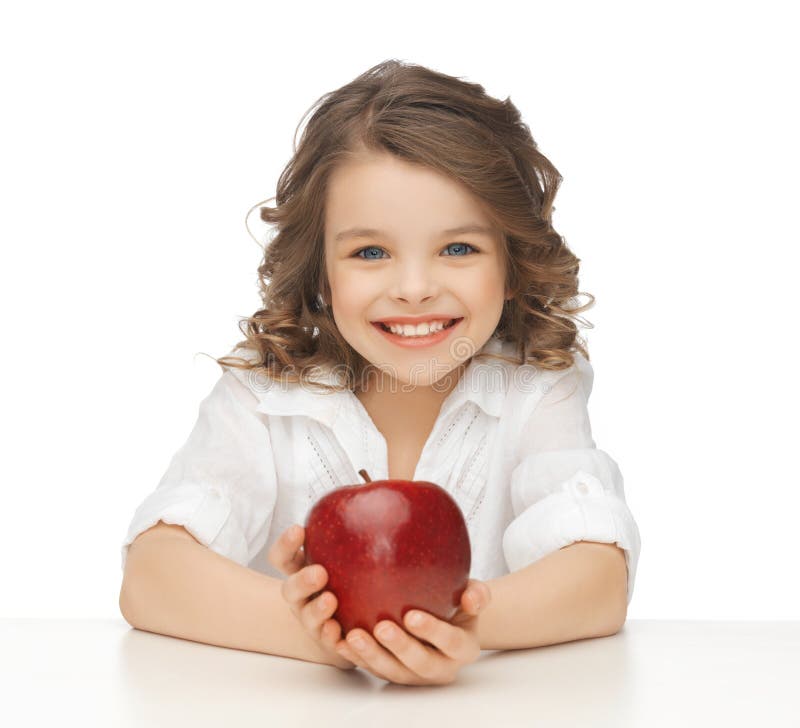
{"x":418,"y":322}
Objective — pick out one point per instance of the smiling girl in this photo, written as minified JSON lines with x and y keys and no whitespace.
{"x":418,"y":322}
{"x":397,"y":270}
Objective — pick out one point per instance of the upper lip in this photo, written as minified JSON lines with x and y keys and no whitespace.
{"x":415,"y":319}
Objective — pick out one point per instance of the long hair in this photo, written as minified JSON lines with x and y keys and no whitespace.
{"x":451,"y":126}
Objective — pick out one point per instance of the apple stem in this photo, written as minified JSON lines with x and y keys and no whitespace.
{"x":363,"y":474}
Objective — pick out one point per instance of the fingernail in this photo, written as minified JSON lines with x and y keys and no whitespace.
{"x":312,"y":575}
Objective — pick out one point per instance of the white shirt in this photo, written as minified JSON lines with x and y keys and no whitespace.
{"x":512,"y":444}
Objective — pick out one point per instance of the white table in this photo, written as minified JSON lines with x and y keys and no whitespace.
{"x":653,"y":673}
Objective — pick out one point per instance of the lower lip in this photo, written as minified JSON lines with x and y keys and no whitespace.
{"x":416,"y":342}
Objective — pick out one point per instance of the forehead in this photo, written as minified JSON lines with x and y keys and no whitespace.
{"x":384,"y":193}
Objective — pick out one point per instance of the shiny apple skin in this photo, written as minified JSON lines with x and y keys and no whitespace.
{"x":389,"y":546}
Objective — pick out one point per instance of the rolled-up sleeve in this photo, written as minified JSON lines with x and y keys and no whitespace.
{"x":564,"y":489}
{"x":221,"y":485}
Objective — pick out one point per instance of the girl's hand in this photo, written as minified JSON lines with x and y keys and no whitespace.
{"x":403,"y":658}
{"x":287,"y":556}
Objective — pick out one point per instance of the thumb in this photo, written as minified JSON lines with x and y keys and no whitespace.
{"x":476,"y":596}
{"x":287,"y":554}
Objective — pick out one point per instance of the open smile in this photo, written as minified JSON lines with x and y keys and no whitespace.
{"x":414,"y":342}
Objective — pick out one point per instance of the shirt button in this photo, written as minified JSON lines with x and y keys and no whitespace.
{"x":583,"y":488}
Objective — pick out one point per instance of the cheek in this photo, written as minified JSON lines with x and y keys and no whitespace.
{"x":483,"y":286}
{"x":347,"y":290}
{"x":350,"y":302}
{"x":479,"y":286}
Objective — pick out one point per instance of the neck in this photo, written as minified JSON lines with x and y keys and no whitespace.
{"x":401,"y":399}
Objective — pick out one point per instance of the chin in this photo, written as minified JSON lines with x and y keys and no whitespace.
{"x":445,"y":377}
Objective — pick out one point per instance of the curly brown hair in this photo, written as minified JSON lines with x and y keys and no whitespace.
{"x":456,"y":128}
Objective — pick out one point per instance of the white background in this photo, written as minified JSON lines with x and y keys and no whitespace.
{"x":137,"y":136}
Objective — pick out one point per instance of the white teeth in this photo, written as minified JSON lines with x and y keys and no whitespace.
{"x":419,"y":330}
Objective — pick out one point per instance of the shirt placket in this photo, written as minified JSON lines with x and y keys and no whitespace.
{"x":362,"y":442}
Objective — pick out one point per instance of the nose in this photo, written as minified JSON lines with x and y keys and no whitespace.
{"x":414,"y":283}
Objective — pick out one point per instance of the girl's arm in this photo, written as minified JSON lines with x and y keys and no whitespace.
{"x":174,"y":585}
{"x":573,"y":545}
{"x":576,"y":592}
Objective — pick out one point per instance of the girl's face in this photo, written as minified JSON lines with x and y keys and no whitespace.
{"x":408,"y":265}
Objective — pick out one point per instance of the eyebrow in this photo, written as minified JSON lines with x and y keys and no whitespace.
{"x":362,"y":232}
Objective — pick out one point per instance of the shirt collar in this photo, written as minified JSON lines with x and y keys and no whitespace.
{"x":484,"y":382}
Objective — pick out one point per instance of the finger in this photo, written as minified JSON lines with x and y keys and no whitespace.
{"x":298,"y":587}
{"x":345,"y":651}
{"x":331,"y":638}
{"x":316,"y":612}
{"x":379,"y":660}
{"x":410,"y":651}
{"x":286,"y":554}
{"x":451,"y":640}
{"x":280,"y":553}
{"x":331,"y":633}
{"x":476,"y":597}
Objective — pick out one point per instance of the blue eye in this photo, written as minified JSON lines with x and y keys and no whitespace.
{"x":371,"y":247}
{"x":462,"y":246}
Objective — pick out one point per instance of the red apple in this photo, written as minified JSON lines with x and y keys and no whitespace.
{"x":389,"y":546}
